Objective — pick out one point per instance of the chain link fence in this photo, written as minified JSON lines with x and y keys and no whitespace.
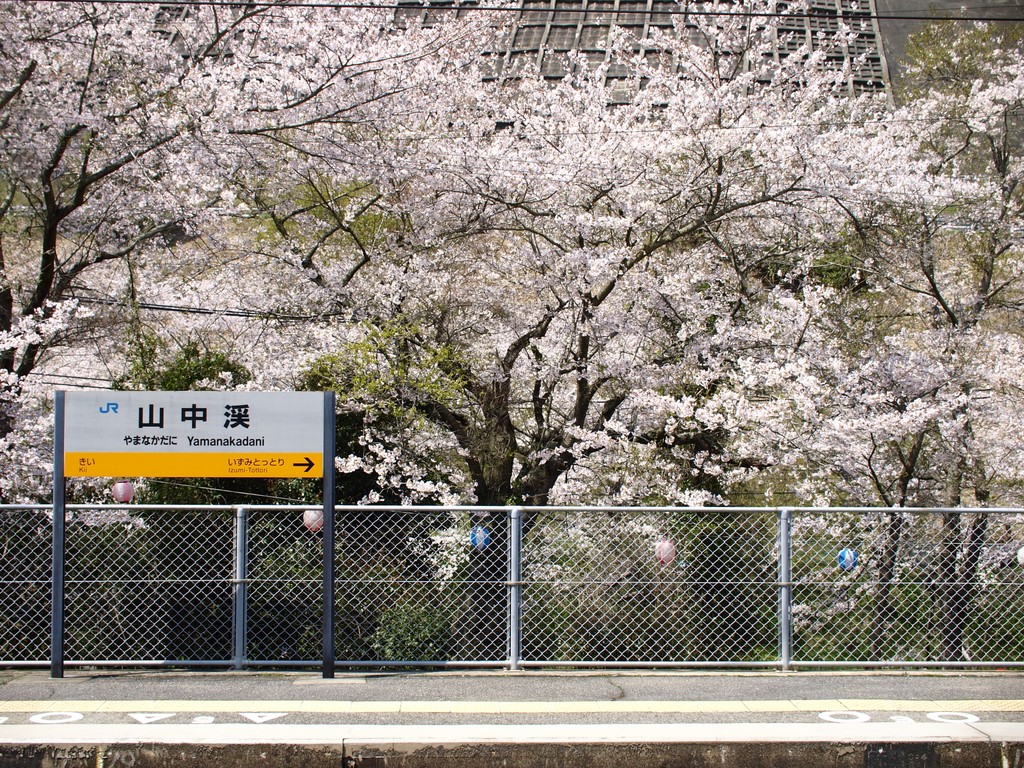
{"x":937,"y":588}
{"x":25,"y":567}
{"x":634,"y":586}
{"x":531,"y":587}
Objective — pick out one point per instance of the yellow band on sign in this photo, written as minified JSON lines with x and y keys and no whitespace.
{"x":181,"y":464}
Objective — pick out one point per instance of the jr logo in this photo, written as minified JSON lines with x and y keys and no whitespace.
{"x":109,"y":408}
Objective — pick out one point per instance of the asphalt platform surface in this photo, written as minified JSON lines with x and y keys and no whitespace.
{"x":406,"y":712}
{"x":240,"y":706}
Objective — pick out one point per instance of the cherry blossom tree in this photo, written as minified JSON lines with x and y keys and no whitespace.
{"x":122,"y":127}
{"x":537,"y":280}
{"x":902,"y":390}
{"x":739,"y":279}
{"x":522,"y":291}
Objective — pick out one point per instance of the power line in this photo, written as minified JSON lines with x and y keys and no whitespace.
{"x":62,"y":379}
{"x":187,"y":310}
{"x":466,"y":8}
{"x":548,"y":169}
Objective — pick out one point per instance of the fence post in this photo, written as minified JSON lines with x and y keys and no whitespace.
{"x":240,"y":590}
{"x":515,"y":586}
{"x":785,"y":589}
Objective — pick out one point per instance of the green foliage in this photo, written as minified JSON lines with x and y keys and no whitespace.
{"x":397,"y":382}
{"x":841,"y":266}
{"x":390,"y":371}
{"x":119,"y":602}
{"x":323,"y":204}
{"x":192,"y":368}
{"x":144,"y":352}
{"x":954,"y":61}
{"x":409,"y":632}
{"x":732,"y":573}
{"x":188,"y":370}
{"x":205,"y":491}
{"x":285,"y":595}
{"x":948,"y":56}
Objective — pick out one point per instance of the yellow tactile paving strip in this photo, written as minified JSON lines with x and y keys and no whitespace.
{"x":517,"y":707}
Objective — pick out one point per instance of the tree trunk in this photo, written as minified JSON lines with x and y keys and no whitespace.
{"x":956,"y":582}
{"x":484,"y":635}
{"x":883,"y":612}
{"x":7,"y":392}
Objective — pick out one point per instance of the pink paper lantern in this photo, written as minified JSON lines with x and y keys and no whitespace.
{"x":123,"y":492}
{"x":665,"y":550}
{"x":313,"y":519}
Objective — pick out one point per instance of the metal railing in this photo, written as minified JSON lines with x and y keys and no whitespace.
{"x":519,"y":587}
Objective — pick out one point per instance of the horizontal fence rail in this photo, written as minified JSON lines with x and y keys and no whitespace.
{"x":519,"y":587}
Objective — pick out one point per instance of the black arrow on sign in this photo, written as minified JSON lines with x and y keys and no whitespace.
{"x":309,"y":464}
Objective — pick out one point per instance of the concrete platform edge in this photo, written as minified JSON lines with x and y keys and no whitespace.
{"x":978,"y":754}
{"x":869,"y":745}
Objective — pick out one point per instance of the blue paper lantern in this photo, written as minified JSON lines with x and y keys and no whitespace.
{"x":480,"y":537}
{"x":847,"y":559}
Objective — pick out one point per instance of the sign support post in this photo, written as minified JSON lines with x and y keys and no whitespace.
{"x":329,"y":538}
{"x":57,"y":568}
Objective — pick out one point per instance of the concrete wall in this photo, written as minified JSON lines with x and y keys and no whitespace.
{"x":746,"y":755}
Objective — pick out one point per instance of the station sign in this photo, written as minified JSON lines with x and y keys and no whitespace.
{"x":194,"y":434}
